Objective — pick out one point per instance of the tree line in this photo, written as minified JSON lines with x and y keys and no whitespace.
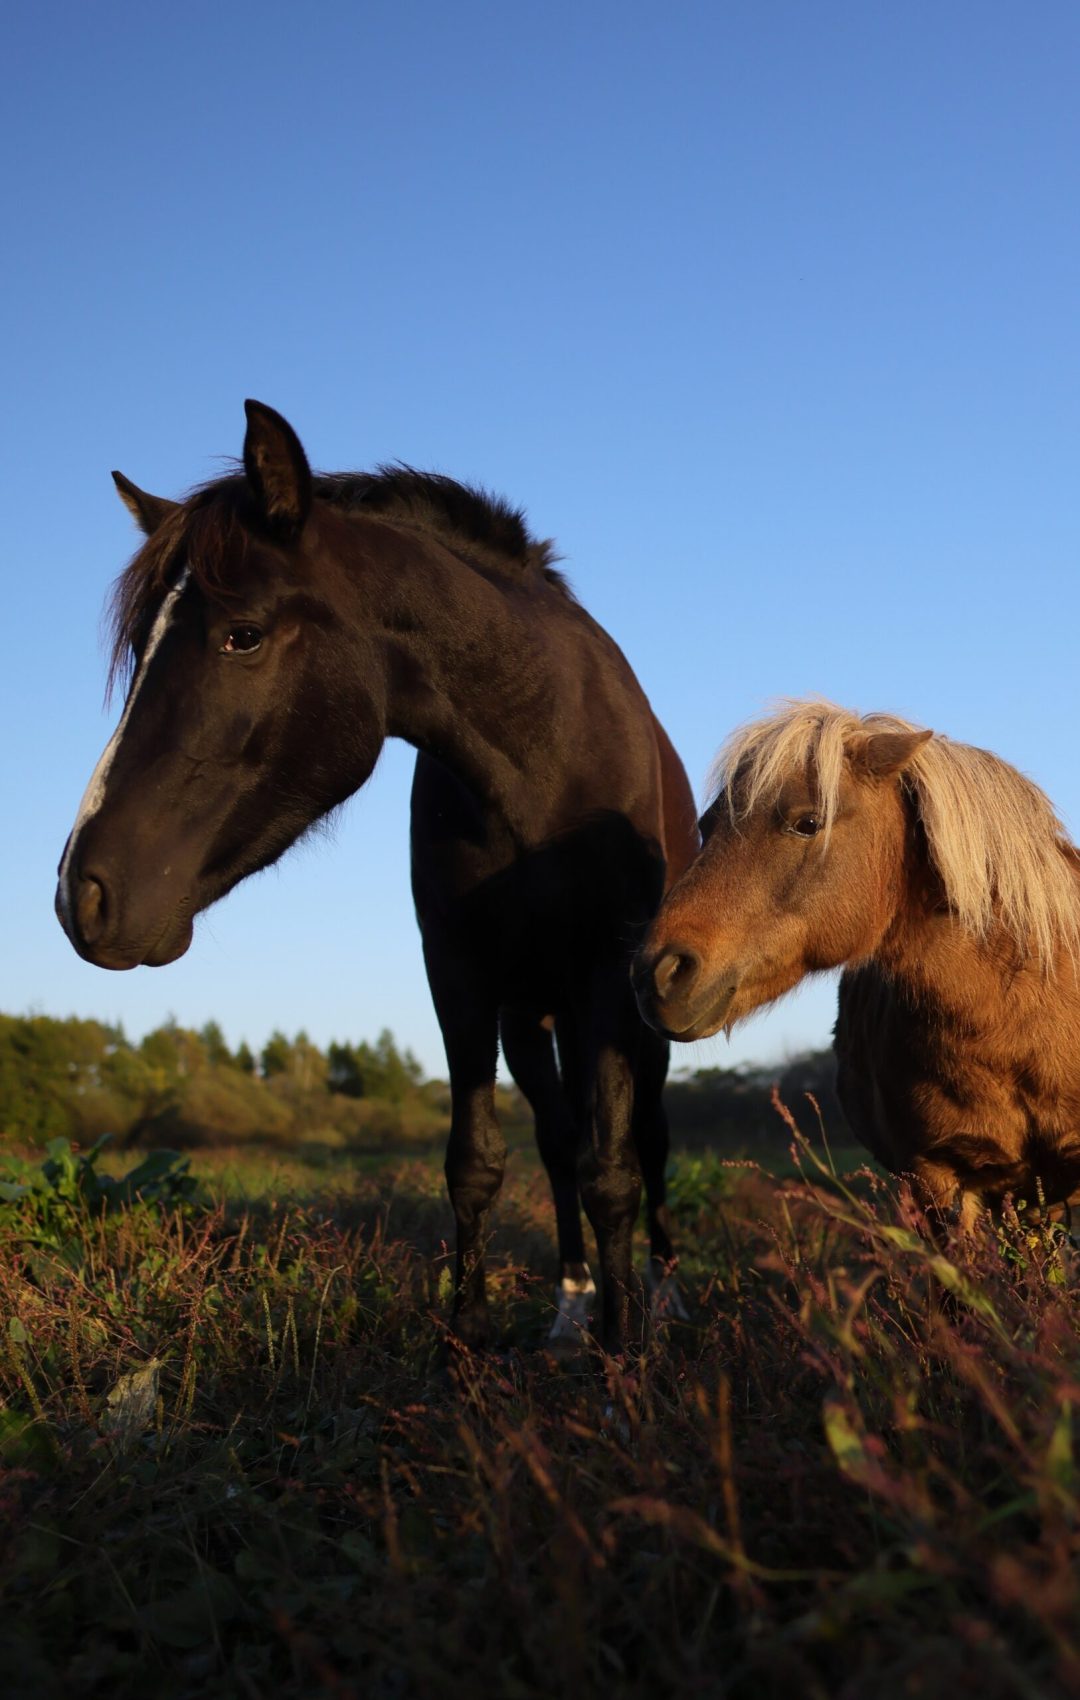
{"x":182,"y":1086}
{"x":78,"y":1079}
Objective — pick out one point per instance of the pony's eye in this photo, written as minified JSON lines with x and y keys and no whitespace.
{"x":242,"y":640}
{"x":806,"y":826}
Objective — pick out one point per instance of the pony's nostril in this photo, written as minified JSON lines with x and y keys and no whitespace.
{"x":90,"y":910}
{"x":674,"y":968}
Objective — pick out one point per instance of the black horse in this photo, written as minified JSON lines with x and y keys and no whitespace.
{"x":282,"y":625}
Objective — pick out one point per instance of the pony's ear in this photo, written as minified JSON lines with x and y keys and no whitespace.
{"x":883,"y":754}
{"x":147,"y":511}
{"x":277,"y":470}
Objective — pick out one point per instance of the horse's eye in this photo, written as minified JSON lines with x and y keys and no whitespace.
{"x":242,"y":640}
{"x":806,"y":826}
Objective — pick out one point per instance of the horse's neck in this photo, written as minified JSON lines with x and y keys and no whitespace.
{"x":479,"y":675}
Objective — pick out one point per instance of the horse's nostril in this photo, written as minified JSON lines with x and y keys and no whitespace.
{"x":675,"y":967}
{"x":90,"y":910}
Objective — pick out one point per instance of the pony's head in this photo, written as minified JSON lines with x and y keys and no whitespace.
{"x":246,"y":719}
{"x":828,"y":834}
{"x":802,"y":845}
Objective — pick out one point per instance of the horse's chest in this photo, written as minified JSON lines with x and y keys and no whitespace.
{"x":537,"y":920}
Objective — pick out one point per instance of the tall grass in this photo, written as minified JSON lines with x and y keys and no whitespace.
{"x":240,"y":1455}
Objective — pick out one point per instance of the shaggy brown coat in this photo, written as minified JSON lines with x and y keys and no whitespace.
{"x":942,"y":882}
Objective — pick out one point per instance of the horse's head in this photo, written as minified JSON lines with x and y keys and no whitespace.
{"x":798,"y":872}
{"x":250,"y":712}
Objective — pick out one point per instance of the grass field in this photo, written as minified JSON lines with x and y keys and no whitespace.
{"x":241,"y":1457}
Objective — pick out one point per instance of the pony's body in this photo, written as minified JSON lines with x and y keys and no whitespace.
{"x":941,"y":881}
{"x":282,"y":627}
{"x":962,"y":1065}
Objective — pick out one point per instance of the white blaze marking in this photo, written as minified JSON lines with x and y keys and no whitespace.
{"x":94,"y":795}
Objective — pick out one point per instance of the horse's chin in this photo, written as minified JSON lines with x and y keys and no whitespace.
{"x":173,"y":943}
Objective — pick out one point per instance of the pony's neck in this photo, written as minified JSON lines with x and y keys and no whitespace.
{"x":956,"y":978}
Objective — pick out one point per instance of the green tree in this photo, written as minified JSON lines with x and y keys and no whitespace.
{"x":276,"y":1055}
{"x":174,"y":1050}
{"x":343,"y":1070}
{"x":373,"y":1071}
{"x":213,"y":1039}
{"x":243,"y":1058}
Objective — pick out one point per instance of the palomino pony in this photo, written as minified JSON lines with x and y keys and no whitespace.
{"x":941,"y":880}
{"x":281,"y":626}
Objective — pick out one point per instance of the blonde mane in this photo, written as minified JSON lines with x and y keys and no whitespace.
{"x":994,"y":838}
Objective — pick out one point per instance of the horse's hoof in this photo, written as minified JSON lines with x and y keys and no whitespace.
{"x":576,"y":1302}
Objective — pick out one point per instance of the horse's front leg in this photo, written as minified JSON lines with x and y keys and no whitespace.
{"x":476,"y":1152}
{"x":652,"y":1140}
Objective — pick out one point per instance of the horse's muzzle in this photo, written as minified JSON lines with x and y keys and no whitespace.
{"x":87,"y":909}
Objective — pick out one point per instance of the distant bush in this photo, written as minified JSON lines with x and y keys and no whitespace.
{"x":732,"y":1106}
{"x":78,"y":1080}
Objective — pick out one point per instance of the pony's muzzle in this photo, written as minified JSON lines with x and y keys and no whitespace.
{"x":674,"y":994}
{"x":675,"y":971}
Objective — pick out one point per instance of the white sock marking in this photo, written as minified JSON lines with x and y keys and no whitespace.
{"x":575,"y":1300}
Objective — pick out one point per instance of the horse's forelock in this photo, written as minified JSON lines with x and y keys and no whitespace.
{"x":204,"y":534}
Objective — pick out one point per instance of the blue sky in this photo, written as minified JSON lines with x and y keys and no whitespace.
{"x":767,"y":312}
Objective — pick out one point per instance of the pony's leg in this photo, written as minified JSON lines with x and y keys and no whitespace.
{"x":652,"y":1140}
{"x":529,"y":1050}
{"x":476,"y":1151}
{"x":949,"y":1207}
{"x":607,"y":1028}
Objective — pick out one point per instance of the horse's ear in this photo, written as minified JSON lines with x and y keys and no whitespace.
{"x":883,"y":754}
{"x":277,"y":470}
{"x":147,"y":511}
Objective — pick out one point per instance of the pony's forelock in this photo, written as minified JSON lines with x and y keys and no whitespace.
{"x":993,"y":836}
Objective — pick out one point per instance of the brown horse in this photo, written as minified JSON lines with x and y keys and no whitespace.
{"x":942,"y":882}
{"x":281,"y":626}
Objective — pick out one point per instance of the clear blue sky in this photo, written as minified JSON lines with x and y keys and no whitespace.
{"x":768,"y":312}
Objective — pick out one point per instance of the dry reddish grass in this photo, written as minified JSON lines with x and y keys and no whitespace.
{"x":852,"y":1475}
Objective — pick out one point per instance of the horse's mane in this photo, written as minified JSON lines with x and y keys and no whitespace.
{"x":993,"y":836}
{"x":206,"y":530}
{"x":478,"y":524}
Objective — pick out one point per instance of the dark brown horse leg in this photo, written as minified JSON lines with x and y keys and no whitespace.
{"x":608,"y":1170}
{"x":476,"y":1152}
{"x":529,"y":1050}
{"x":652,"y":1140}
